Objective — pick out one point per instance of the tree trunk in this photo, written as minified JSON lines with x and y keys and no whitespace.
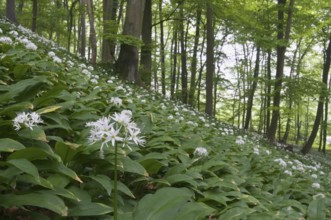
{"x":107,"y":54}
{"x":82,"y":48}
{"x":174,"y":65}
{"x":162,"y":46}
{"x":210,"y":60}
{"x":253,"y":88}
{"x":281,"y":49}
{"x":146,"y":49}
{"x":127,"y":63}
{"x":70,"y":24}
{"x":10,"y":10}
{"x":183,"y":56}
{"x":322,"y":97}
{"x":93,"y":37}
{"x":194,"y":58}
{"x":34,"y":15}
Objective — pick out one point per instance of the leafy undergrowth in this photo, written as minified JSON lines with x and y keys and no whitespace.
{"x":191,"y":166}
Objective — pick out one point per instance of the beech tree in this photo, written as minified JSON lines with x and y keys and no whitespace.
{"x":10,"y":10}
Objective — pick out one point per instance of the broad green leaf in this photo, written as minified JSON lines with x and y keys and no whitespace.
{"x":89,"y":209}
{"x":30,"y":179}
{"x":236,"y":213}
{"x":37,"y":133}
{"x":316,"y":209}
{"x":10,"y":145}
{"x":104,"y":181}
{"x":153,"y":162}
{"x":121,"y":187}
{"x":48,"y":109}
{"x":58,"y":180}
{"x":20,"y":70}
{"x":33,"y":153}
{"x":132,"y":166}
{"x":215,"y":196}
{"x":66,"y":150}
{"x":42,"y":199}
{"x":182,"y":178}
{"x":22,"y":106}
{"x":25,"y":166}
{"x":170,"y":203}
{"x":156,"y":141}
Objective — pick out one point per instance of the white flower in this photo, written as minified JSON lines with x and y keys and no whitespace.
{"x":256,"y":151}
{"x":281,"y":162}
{"x":57,"y":59}
{"x":86,"y":72}
{"x":170,"y":117}
{"x":116,"y":101}
{"x":120,"y":88}
{"x":27,"y":120}
{"x":288,"y":172}
{"x":267,"y":152}
{"x":316,"y":185}
{"x":6,"y":40}
{"x":200,"y":152}
{"x":94,"y":81}
{"x":90,"y":68}
{"x":82,"y":65}
{"x":240,"y":140}
{"x":14,"y":33}
{"x":51,"y":54}
{"x":31,"y":46}
{"x":1,"y":31}
{"x":314,"y":176}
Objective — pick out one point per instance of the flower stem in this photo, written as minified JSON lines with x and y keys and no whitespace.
{"x":115,"y":185}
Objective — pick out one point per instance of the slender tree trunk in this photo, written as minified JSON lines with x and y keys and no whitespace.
{"x":174,"y":67}
{"x":10,"y":10}
{"x":82,"y":46}
{"x":183,"y":56}
{"x":253,"y":88}
{"x":210,"y":60}
{"x":268,"y":82}
{"x":128,"y":59}
{"x":281,"y":49}
{"x":34,"y":15}
{"x":323,"y":96}
{"x":71,"y":18}
{"x":194,"y":58}
{"x":162,"y":46}
{"x":93,"y":36}
{"x":146,"y":49}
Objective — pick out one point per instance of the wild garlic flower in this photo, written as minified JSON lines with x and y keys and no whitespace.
{"x":240,"y":140}
{"x":31,"y":46}
{"x":316,"y":185}
{"x":28,"y":120}
{"x":113,"y":129}
{"x":288,"y":172}
{"x":281,"y":162}
{"x":116,"y":101}
{"x":6,"y":40}
{"x":51,"y":54}
{"x":200,"y":152}
{"x":1,"y":31}
{"x":56,"y":59}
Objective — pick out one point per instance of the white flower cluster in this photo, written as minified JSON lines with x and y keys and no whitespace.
{"x":116,"y":128}
{"x":28,"y":120}
{"x":116,"y":101}
{"x":55,"y":58}
{"x":240,"y":140}
{"x":1,"y":31}
{"x":316,"y":185}
{"x":200,"y":152}
{"x":6,"y":40}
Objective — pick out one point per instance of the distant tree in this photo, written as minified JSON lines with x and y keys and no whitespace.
{"x":107,"y":54}
{"x":10,"y":10}
{"x":34,"y":15}
{"x":93,"y":37}
{"x":82,"y":47}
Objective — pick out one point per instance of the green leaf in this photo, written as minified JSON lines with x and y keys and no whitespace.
{"x":66,"y":150}
{"x":36,"y":134}
{"x":236,"y":213}
{"x":89,"y":209}
{"x":153,"y":162}
{"x":42,"y":199}
{"x":104,"y":181}
{"x":25,"y":166}
{"x":10,"y":145}
{"x":20,"y":70}
{"x":132,"y":166}
{"x":316,"y":209}
{"x":170,"y":203}
{"x":182,"y":178}
{"x":10,"y":110}
{"x":48,"y":109}
{"x":33,"y":153}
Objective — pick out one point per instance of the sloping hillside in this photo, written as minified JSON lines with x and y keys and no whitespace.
{"x":189,"y":167}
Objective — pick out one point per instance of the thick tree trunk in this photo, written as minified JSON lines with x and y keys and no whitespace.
{"x":10,"y":10}
{"x":107,"y":53}
{"x":70,"y":25}
{"x":146,"y":49}
{"x":210,"y":60}
{"x":93,"y":36}
{"x":281,"y":49}
{"x":127,"y":63}
{"x":253,"y":88}
{"x":34,"y":15}
{"x":323,"y":96}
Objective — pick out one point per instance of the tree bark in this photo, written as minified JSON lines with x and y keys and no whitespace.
{"x":107,"y":53}
{"x":253,"y":88}
{"x":174,"y":65}
{"x":210,"y":60}
{"x":10,"y":10}
{"x":326,"y":68}
{"x":93,"y":37}
{"x":146,"y":49}
{"x":281,"y":49}
{"x":183,"y":56}
{"x":162,"y":46}
{"x":34,"y":15}
{"x":127,"y":63}
{"x":82,"y":48}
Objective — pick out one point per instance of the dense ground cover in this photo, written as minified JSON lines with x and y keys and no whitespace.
{"x":189,"y":167}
